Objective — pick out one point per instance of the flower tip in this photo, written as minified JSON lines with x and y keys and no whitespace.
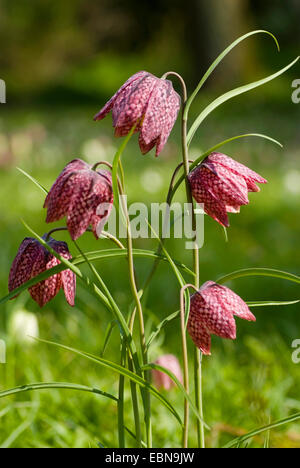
{"x":98,"y":116}
{"x":206,"y":352}
{"x":225,"y":223}
{"x":251,"y":317}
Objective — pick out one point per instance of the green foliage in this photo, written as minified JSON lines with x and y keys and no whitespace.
{"x":254,"y":373}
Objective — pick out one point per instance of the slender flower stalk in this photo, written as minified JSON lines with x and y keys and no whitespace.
{"x":197,"y":356}
{"x":185,"y":432}
{"x":139,"y":309}
{"x":121,"y":429}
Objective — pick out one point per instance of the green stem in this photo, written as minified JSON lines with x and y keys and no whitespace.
{"x":135,"y":405}
{"x":144,"y":350}
{"x":121,"y":424}
{"x":197,"y":356}
{"x":198,"y":396}
{"x":185,"y":160}
{"x":185,"y":431}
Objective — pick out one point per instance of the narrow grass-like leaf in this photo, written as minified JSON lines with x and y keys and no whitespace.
{"x":33,"y":180}
{"x":259,"y":272}
{"x":91,"y":256}
{"x":107,"y":335}
{"x":219,"y":59}
{"x":137,"y":379}
{"x":116,"y":165}
{"x":152,"y":366}
{"x":268,"y":427}
{"x":231,"y":94}
{"x":54,"y":385}
{"x":161,"y":325}
{"x":134,"y":436}
{"x":271,"y":303}
{"x":178,"y":275}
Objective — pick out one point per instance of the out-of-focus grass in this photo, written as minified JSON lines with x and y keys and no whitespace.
{"x":247,"y":383}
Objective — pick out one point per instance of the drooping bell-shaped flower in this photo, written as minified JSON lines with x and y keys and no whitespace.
{"x":222,"y":185}
{"x":212,"y":311}
{"x":31,"y":260}
{"x":83,"y":195}
{"x":148,"y":102}
{"x":161,"y":379}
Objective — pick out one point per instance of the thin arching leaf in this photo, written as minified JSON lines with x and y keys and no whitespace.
{"x":116,"y":165}
{"x":271,"y":303}
{"x":179,"y":385}
{"x":231,"y":94}
{"x":91,"y":256}
{"x":107,"y":335}
{"x":30,"y":177}
{"x":54,"y":385}
{"x":121,"y":371}
{"x":177,"y":274}
{"x":268,"y":427}
{"x":259,"y":272}
{"x":219,"y":59}
{"x":161,"y":325}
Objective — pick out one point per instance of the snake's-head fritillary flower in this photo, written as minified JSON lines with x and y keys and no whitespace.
{"x":148,"y":102}
{"x":212,"y":310}
{"x":222,"y":185}
{"x":31,"y":260}
{"x":83,"y":195}
{"x":162,"y":380}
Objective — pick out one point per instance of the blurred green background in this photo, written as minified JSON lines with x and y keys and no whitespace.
{"x":61,"y":61}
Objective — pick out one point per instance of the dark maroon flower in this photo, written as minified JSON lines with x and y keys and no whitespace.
{"x":83,"y":195}
{"x":149,"y":102}
{"x":31,"y":260}
{"x":212,"y":311}
{"x":222,"y":185}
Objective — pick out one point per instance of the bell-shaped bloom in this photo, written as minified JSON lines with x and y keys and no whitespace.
{"x":162,"y":380}
{"x":31,"y":260}
{"x":83,"y":195}
{"x":148,"y":102}
{"x":222,"y":185}
{"x":212,"y":310}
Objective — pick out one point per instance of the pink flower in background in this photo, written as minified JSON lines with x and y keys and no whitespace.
{"x":149,"y":102}
{"x":162,"y":380}
{"x":222,"y":185}
{"x":212,"y":311}
{"x":31,"y":260}
{"x":83,"y":195}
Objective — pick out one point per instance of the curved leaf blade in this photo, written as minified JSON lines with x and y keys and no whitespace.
{"x":230,"y":95}
{"x":121,"y":371}
{"x":259,"y":272}
{"x":152,"y":366}
{"x":271,"y":303}
{"x":54,"y":385}
{"x":220,"y":58}
{"x":92,"y":256}
{"x":30,"y":177}
{"x":161,"y":325}
{"x":268,"y":427}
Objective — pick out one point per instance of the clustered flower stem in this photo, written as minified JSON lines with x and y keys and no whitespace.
{"x":132,"y":279}
{"x":197,"y":357}
{"x":149,"y":106}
